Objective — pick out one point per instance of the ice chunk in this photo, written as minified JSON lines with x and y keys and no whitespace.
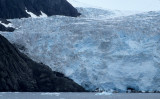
{"x":51,"y":94}
{"x":103,"y":93}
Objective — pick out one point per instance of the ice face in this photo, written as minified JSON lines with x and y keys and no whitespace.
{"x":98,"y":52}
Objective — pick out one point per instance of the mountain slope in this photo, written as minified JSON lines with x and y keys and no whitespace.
{"x":19,"y":73}
{"x":25,"y":8}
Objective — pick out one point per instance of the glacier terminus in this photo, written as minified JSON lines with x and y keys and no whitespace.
{"x":97,"y":50}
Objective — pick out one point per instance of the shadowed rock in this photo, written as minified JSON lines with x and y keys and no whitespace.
{"x":3,"y":28}
{"x":17,"y":8}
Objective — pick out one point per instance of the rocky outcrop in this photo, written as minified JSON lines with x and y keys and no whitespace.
{"x":17,"y":8}
{"x":19,"y":73}
{"x":3,"y":27}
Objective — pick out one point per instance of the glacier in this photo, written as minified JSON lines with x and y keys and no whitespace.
{"x":96,"y":50}
{"x":131,"y":5}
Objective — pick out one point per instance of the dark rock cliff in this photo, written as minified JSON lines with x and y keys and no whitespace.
{"x":17,"y":8}
{"x":19,"y":73}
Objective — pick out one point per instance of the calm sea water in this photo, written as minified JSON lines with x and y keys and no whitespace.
{"x":79,"y":96}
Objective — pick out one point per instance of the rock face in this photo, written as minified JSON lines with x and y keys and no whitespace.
{"x":17,"y":8}
{"x":2,"y":26}
{"x":19,"y":73}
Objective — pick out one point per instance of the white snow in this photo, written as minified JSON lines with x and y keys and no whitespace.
{"x":101,"y":14}
{"x":31,"y":14}
{"x":43,"y":15}
{"x":6,"y":25}
{"x":133,"y":5}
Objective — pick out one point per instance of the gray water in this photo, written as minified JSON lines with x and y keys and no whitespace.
{"x":79,"y":96}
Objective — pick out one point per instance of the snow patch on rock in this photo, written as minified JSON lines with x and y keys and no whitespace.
{"x":31,"y":14}
{"x":7,"y":25}
{"x":43,"y":15}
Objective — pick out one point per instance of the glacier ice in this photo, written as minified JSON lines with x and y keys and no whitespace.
{"x":96,"y":51}
{"x":133,"y":5}
{"x":103,"y":93}
{"x":51,"y":94}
